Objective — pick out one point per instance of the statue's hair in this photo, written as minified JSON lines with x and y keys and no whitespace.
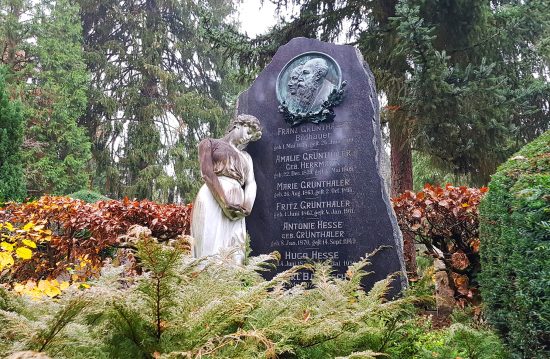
{"x":249,"y":120}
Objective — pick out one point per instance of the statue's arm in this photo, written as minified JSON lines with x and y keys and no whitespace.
{"x":250,"y":188}
{"x":207,"y":172}
{"x":231,"y":210}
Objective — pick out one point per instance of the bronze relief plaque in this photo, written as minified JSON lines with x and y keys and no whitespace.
{"x":308,"y":87}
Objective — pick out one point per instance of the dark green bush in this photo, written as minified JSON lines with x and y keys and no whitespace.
{"x":515,"y":250}
{"x":88,"y":196}
{"x":12,"y":180}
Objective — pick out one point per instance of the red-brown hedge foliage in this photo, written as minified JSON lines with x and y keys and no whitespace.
{"x":87,"y":230}
{"x":446,"y":221}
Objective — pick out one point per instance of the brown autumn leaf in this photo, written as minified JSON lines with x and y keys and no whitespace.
{"x":461,"y":282}
{"x":459,"y":260}
{"x":475,"y":245}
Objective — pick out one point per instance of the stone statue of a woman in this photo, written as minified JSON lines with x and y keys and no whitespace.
{"x":227,"y":197}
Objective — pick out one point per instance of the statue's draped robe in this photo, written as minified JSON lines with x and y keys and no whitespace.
{"x":213,"y":232}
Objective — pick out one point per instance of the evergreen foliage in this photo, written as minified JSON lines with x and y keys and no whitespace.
{"x":88,"y":196}
{"x":155,"y":93}
{"x":515,"y":250}
{"x":466,"y":81}
{"x":426,"y":172}
{"x":42,"y":44}
{"x":182,"y":307}
{"x":57,"y":149}
{"x":12,"y":183}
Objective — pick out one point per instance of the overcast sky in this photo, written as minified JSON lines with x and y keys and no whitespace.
{"x":256,"y":18}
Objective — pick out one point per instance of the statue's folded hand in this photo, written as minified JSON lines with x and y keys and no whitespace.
{"x":235,"y":211}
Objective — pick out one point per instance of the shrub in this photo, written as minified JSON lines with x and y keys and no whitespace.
{"x":460,"y":341}
{"x":78,"y":233}
{"x":182,"y":307}
{"x":12,"y":180}
{"x":88,"y":196}
{"x":446,"y":221}
{"x":515,"y":239}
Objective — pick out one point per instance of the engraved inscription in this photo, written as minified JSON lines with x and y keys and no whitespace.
{"x":314,"y":194}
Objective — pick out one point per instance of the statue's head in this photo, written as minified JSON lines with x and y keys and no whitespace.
{"x":250,"y":122}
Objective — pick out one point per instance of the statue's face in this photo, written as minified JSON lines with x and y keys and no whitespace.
{"x":244,"y":134}
{"x":293,"y":80}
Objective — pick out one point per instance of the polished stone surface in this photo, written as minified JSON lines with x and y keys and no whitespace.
{"x":321,"y":194}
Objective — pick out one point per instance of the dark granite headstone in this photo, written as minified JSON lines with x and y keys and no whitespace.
{"x":321,"y":194}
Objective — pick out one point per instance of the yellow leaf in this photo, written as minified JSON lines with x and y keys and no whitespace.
{"x":29,"y":243}
{"x":64,"y":285}
{"x":52,"y":291}
{"x":28,"y":226}
{"x":23,"y":253}
{"x":43,"y":284}
{"x":18,"y":287}
{"x":84,"y":285}
{"x":7,"y":246}
{"x":6,"y":260}
{"x":30,"y":284}
{"x":38,"y":228}
{"x":9,"y":226}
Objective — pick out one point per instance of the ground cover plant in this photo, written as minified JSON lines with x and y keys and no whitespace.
{"x":181,"y":307}
{"x":515,"y":250}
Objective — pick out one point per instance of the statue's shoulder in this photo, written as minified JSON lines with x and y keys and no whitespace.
{"x":210,"y":142}
{"x":206,"y":141}
{"x":247,"y":156}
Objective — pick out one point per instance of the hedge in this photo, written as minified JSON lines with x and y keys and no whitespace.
{"x":515,"y":250}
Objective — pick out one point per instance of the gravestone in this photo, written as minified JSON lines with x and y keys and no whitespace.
{"x":321,"y":194}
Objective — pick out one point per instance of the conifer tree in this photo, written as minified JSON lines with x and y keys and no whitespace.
{"x":155,"y":93}
{"x":466,"y":81}
{"x":43,"y":52}
{"x":58,"y":150}
{"x":12,"y":183}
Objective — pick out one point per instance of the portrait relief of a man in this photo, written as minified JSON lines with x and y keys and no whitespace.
{"x":308,"y":86}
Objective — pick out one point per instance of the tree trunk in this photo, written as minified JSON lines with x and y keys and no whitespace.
{"x":402,"y":179}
